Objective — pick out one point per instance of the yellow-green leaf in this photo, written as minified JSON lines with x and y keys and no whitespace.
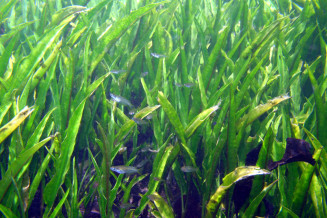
{"x":198,"y":120}
{"x":164,"y":209}
{"x":7,"y":129}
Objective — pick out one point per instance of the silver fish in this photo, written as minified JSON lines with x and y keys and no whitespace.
{"x":117,"y":71}
{"x":188,"y":169}
{"x":121,"y":100}
{"x":188,"y":85}
{"x":132,"y":111}
{"x":142,"y":163}
{"x":124,"y":169}
{"x":126,"y":205}
{"x":149,"y":117}
{"x":157,"y":179}
{"x":153,"y":151}
{"x":155,"y":55}
{"x":144,"y":149}
{"x":144,"y":74}
{"x":139,"y":121}
{"x":148,"y":149}
{"x":122,"y":150}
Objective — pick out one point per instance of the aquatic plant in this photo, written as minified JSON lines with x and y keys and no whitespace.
{"x":172,"y":108}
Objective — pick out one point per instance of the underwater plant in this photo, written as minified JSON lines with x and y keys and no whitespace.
{"x":173,"y":108}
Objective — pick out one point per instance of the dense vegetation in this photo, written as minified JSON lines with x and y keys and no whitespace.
{"x":174,"y":108}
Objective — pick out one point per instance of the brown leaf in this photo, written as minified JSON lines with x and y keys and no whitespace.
{"x":296,"y":150}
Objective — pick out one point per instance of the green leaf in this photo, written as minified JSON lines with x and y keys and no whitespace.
{"x":63,"y":13}
{"x":263,"y":38}
{"x":265,"y":149}
{"x":259,"y":110}
{"x":40,"y":173}
{"x":127,"y":196}
{"x":74,"y":196}
{"x":164,"y":209}
{"x":7,"y":212}
{"x":7,"y":129}
{"x":211,"y":63}
{"x":15,"y":31}
{"x":157,"y":172}
{"x":321,"y":109}
{"x":116,"y":31}
{"x":255,"y":203}
{"x":5,"y":8}
{"x":317,"y":193}
{"x":232,"y":147}
{"x":172,"y":115}
{"x":317,"y":145}
{"x":89,"y":90}
{"x":3,"y":111}
{"x":198,"y":120}
{"x":202,"y":89}
{"x":247,"y":81}
{"x":287,"y":210}
{"x":146,"y":111}
{"x":235,"y":176}
{"x":38,"y":75}
{"x":35,"y":137}
{"x":7,"y":54}
{"x":18,"y":164}
{"x":59,"y":206}
{"x":156,"y":125}
{"x":62,"y":164}
{"x":302,"y":187}
{"x":128,"y":125}
{"x":27,"y":66}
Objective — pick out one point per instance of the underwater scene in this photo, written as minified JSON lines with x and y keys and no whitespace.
{"x":174,"y":108}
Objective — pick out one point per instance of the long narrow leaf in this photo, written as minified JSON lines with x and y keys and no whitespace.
{"x":62,"y":165}
{"x":238,"y":174}
{"x":17,"y":165}
{"x":116,"y":31}
{"x":7,"y":129}
{"x":172,"y":115}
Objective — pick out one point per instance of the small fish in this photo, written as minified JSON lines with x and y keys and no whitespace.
{"x":188,"y":169}
{"x":160,"y":7}
{"x":121,"y":100}
{"x":144,"y":149}
{"x":158,"y":179}
{"x":132,"y":111}
{"x":144,"y":74}
{"x":188,"y":85}
{"x":219,"y":103}
{"x":139,"y":121}
{"x":153,"y":151}
{"x":148,"y":149}
{"x":122,"y":150}
{"x":124,"y":169}
{"x":142,"y":163}
{"x":155,"y":55}
{"x":72,"y":24}
{"x":149,"y":117}
{"x":117,"y":71}
{"x":126,"y":205}
{"x":154,"y":197}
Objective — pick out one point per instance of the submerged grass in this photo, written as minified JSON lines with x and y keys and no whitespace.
{"x":182,"y":92}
